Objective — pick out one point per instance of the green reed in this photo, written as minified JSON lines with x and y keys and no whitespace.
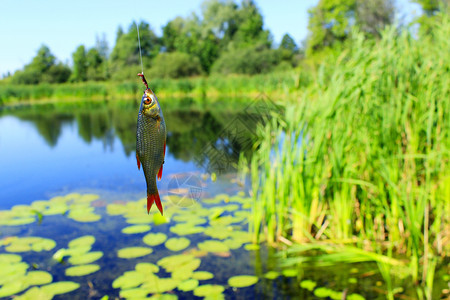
{"x":363,"y":158}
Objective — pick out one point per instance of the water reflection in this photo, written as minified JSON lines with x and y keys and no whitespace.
{"x":191,"y":133}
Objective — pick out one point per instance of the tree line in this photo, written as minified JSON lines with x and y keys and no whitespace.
{"x":226,"y":38}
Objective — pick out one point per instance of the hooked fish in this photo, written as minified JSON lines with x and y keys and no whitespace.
{"x":151,"y":143}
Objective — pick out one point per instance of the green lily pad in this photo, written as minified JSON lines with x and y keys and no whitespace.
{"x":233,"y":243}
{"x":38,"y":278}
{"x":136,"y":229}
{"x":186,"y":229}
{"x":289,"y":272}
{"x":115,"y":209}
{"x":147,"y":268}
{"x":82,"y":241}
{"x":130,"y":279}
{"x":134,"y":293}
{"x":174,"y":262}
{"x":177,"y":244}
{"x":272,"y":275}
{"x":82,"y":270}
{"x":132,"y":252}
{"x":308,"y":284}
{"x":213,"y":246}
{"x":60,"y":287}
{"x":242,"y":281}
{"x":322,"y":292}
{"x":154,"y":239}
{"x":251,"y":247}
{"x":355,"y":297}
{"x":188,"y":285}
{"x":18,"y":248}
{"x":7,"y":258}
{"x":202,"y":275}
{"x":208,"y":290}
{"x":43,"y":245}
{"x":164,"y":297}
{"x":83,"y":216}
{"x":218,"y":232}
{"x":336,"y":295}
{"x":157,"y":285}
{"x":12,"y":271}
{"x":30,"y":243}
{"x":33,"y":294}
{"x":159,"y":220}
{"x":87,"y":258}
{"x":12,"y":288}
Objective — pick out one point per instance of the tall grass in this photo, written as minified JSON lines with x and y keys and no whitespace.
{"x":363,"y":158}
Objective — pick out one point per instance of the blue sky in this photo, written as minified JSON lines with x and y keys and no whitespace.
{"x":64,"y":25}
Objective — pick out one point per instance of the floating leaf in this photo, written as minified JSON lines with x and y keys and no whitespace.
{"x":134,"y":293}
{"x":177,"y":244}
{"x":30,"y":243}
{"x":6,"y":258}
{"x":322,"y":292}
{"x":83,"y":216}
{"x":38,"y":278}
{"x":290,"y":272}
{"x":218,"y":232}
{"x":213,"y":246}
{"x":144,"y":219}
{"x":160,"y":285}
{"x":154,"y":239}
{"x":136,"y":229}
{"x":82,"y":241}
{"x":34,"y":293}
{"x":202,"y":275}
{"x":188,"y":285}
{"x":186,"y":229}
{"x":251,"y":247}
{"x":208,"y":290}
{"x":12,"y":288}
{"x":308,"y":284}
{"x":147,"y":268}
{"x":129,"y":279}
{"x":85,"y":258}
{"x":61,"y":287}
{"x":272,"y":275}
{"x":133,"y":252}
{"x":159,"y":220}
{"x":82,"y":270}
{"x":242,"y":281}
{"x":355,"y":297}
{"x":171,"y":263}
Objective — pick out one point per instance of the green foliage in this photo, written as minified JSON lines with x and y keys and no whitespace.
{"x":96,"y":65}
{"x":79,"y":65}
{"x":364,"y":157}
{"x":42,"y":69}
{"x":175,"y":65}
{"x":247,"y":61}
{"x":126,"y":50}
{"x":373,"y":16}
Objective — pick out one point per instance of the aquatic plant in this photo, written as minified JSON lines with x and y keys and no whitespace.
{"x":363,"y":157}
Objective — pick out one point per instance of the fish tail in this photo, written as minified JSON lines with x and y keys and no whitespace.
{"x":154,"y":198}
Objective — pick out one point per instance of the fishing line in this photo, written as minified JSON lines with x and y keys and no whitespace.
{"x":140,"y":51}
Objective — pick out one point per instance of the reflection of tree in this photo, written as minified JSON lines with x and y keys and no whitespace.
{"x":190,"y":133}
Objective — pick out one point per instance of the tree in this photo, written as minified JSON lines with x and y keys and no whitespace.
{"x":175,"y":65}
{"x":288,"y":43}
{"x":95,"y":65}
{"x":79,"y":65}
{"x":373,"y":16}
{"x":101,"y":45}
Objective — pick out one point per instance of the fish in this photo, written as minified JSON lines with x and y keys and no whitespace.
{"x":151,"y":143}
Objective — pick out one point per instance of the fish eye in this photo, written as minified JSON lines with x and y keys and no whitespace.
{"x":147,"y":101}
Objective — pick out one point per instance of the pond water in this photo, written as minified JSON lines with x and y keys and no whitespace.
{"x":69,"y":171}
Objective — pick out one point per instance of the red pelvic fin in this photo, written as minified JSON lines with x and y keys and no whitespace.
{"x":154,"y":198}
{"x":160,"y":172}
{"x":138,"y":162}
{"x":164,"y":148}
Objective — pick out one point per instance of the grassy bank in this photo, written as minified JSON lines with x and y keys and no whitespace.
{"x":278,"y":84}
{"x":359,"y":169}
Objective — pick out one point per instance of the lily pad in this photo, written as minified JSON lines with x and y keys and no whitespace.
{"x":308,"y":284}
{"x":154,"y":239}
{"x":208,"y":290}
{"x":136,"y":229}
{"x":157,"y":285}
{"x":132,"y":252}
{"x":38,"y":278}
{"x":355,"y":297}
{"x":33,"y":294}
{"x":147,"y":268}
{"x":12,"y":288}
{"x":174,"y":262}
{"x":186,"y":229}
{"x":242,"y":281}
{"x":177,"y":244}
{"x":134,"y":293}
{"x":7,"y":258}
{"x":30,"y":243}
{"x":61,"y":287}
{"x":82,"y":241}
{"x":322,"y":292}
{"x":188,"y":285}
{"x":251,"y":247}
{"x":82,"y":270}
{"x":272,"y":275}
{"x":213,"y":246}
{"x":218,"y":232}
{"x":289,"y":272}
{"x":159,"y":220}
{"x":130,"y":279}
{"x":85,"y":258}
{"x":202,"y":275}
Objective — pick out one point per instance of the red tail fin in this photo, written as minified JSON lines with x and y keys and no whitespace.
{"x":154,"y":198}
